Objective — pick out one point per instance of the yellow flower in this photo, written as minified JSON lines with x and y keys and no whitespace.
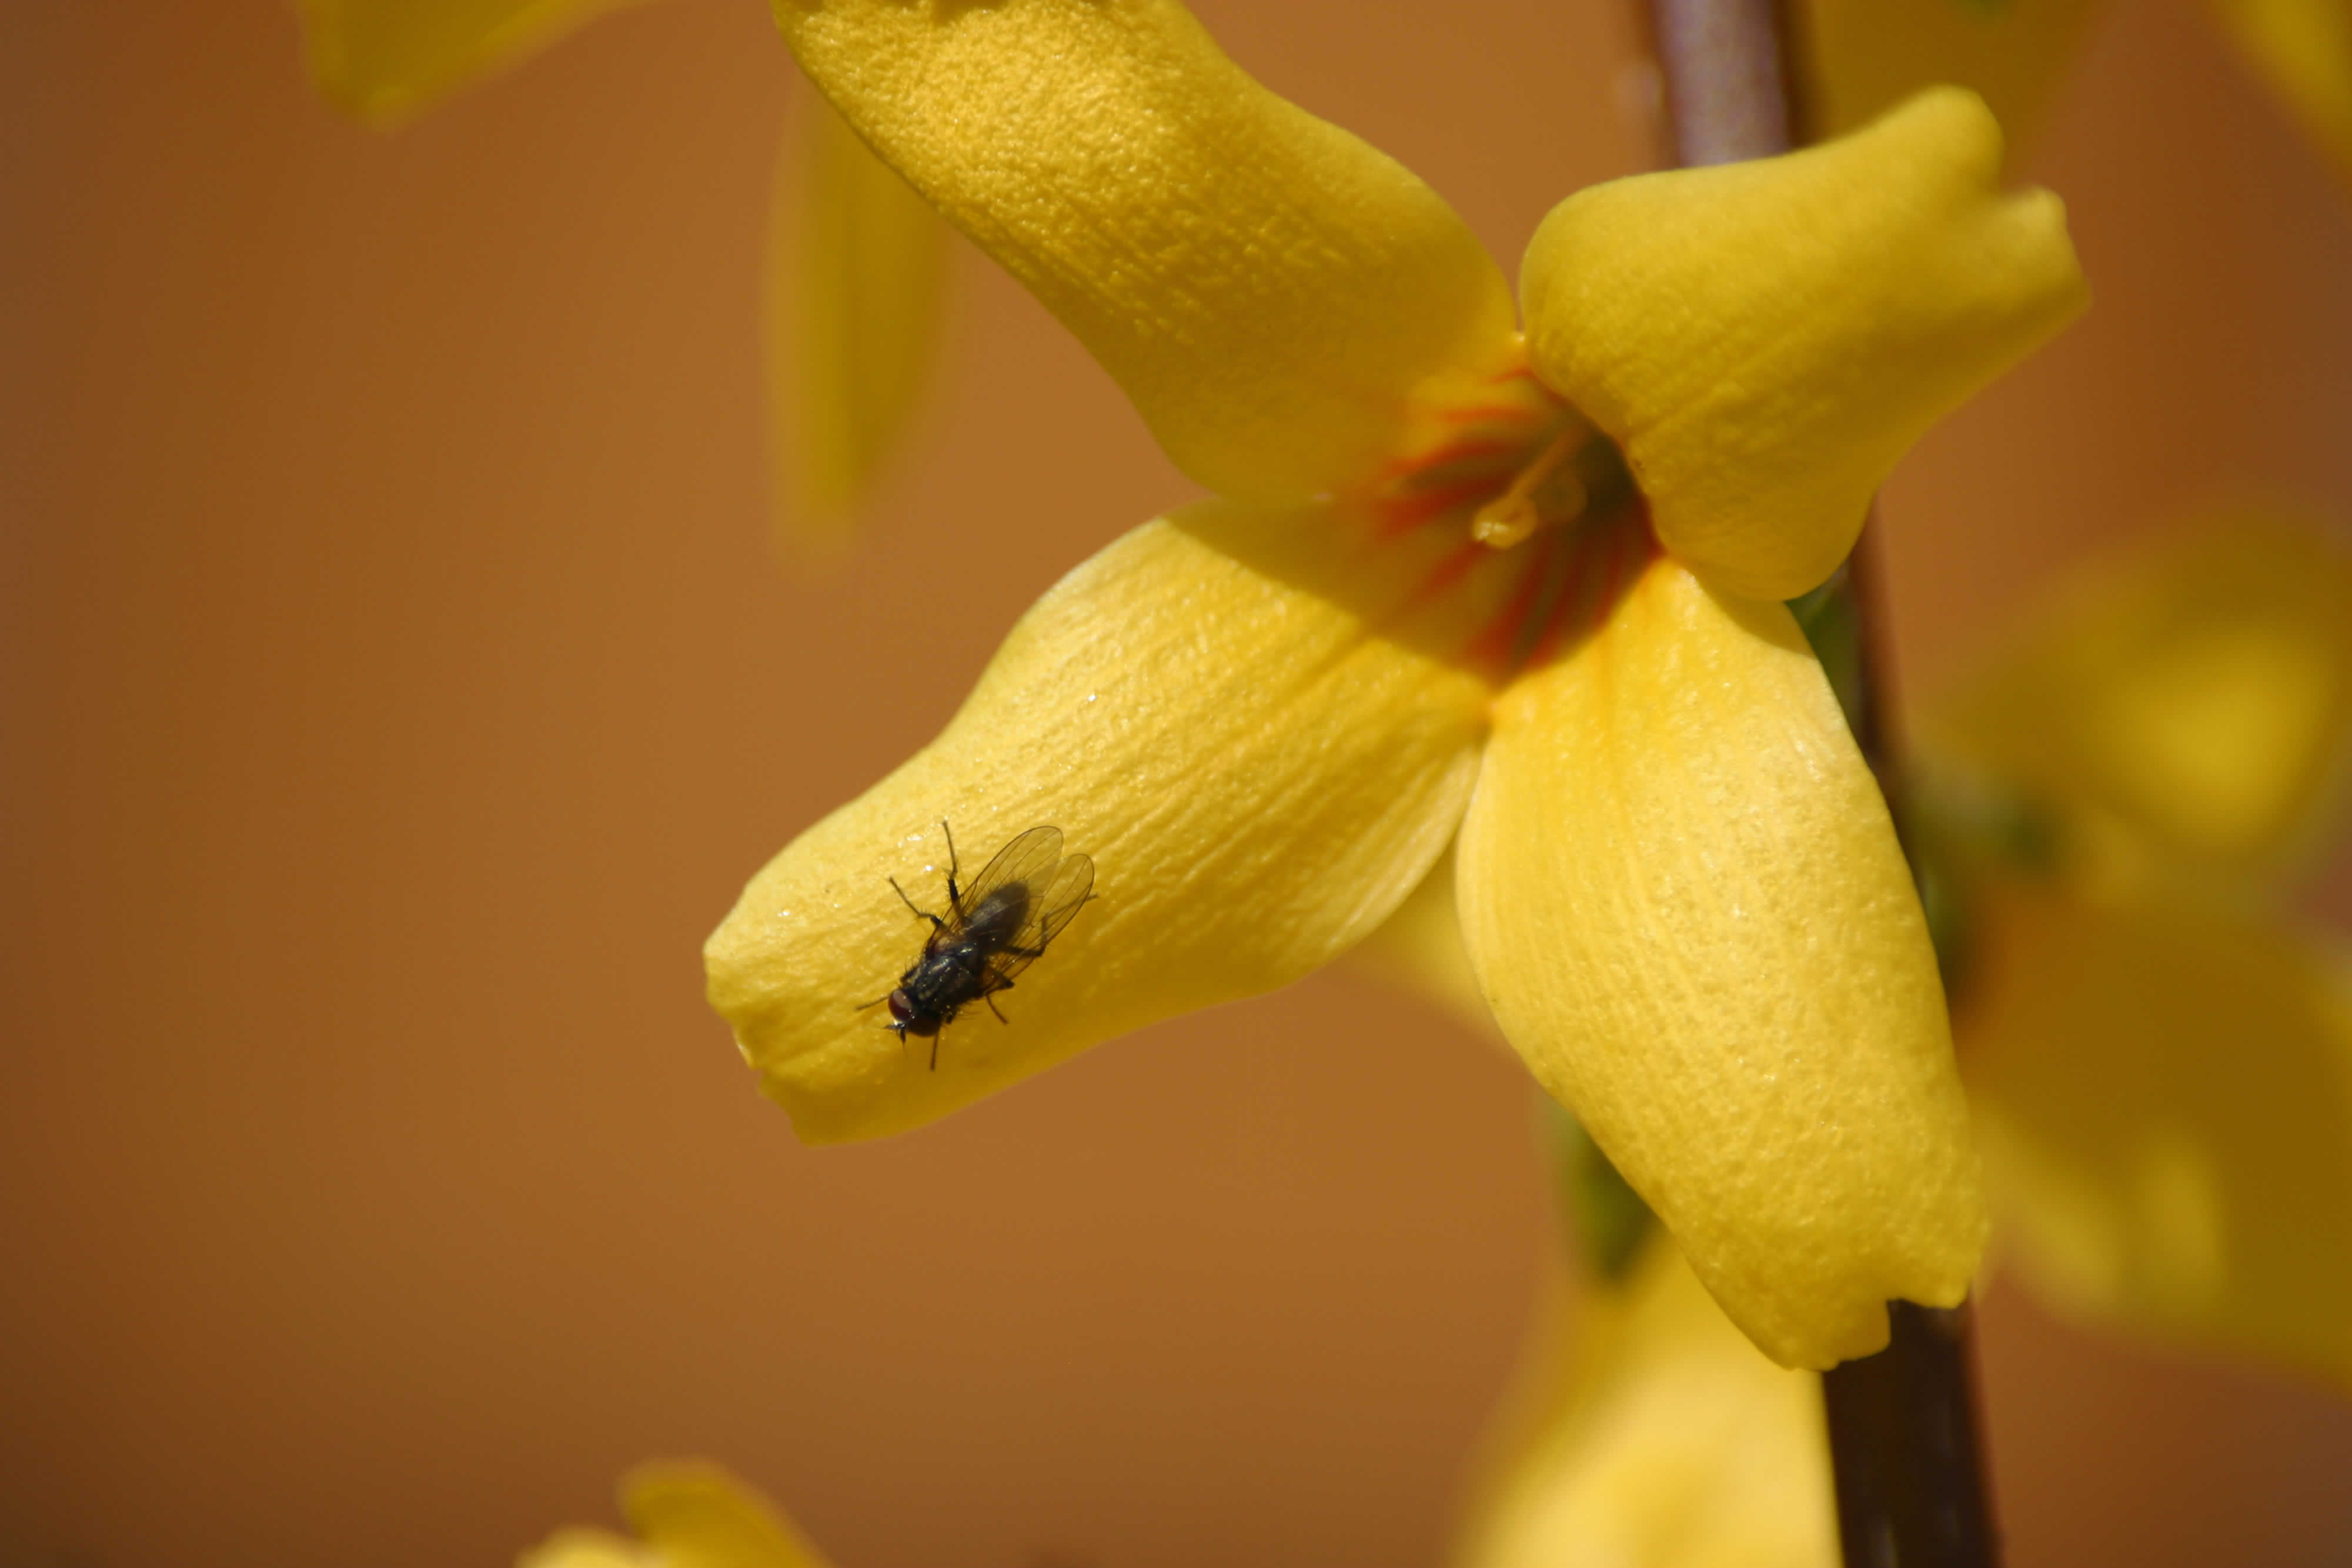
{"x":1264,"y":717}
{"x":1867,"y":55}
{"x":686,"y":1515}
{"x":2161,"y":1063}
{"x":856,"y":261}
{"x":2164,"y":1072}
{"x":1645,"y":1430}
{"x":383,"y":59}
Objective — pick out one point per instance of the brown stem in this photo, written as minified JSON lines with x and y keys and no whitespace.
{"x":1903,"y":1426}
{"x":1911,"y":1488}
{"x":1724,"y":65}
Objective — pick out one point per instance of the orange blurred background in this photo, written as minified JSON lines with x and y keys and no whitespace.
{"x":399,"y":682}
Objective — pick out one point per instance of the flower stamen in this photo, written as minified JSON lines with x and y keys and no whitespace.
{"x":1512,"y":518}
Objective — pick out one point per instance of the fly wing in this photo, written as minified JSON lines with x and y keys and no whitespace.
{"x":1050,"y":909}
{"x":1029,"y":859}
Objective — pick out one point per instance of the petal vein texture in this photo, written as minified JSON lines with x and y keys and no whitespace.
{"x":1683,"y":895}
{"x":1227,"y":711}
{"x":1765,"y":339}
{"x":1270,"y":291}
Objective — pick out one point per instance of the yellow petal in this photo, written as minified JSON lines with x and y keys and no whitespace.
{"x":1867,"y":56}
{"x":1664,"y":1442}
{"x":2199,"y":695}
{"x":1234,"y":714}
{"x":1764,"y":339}
{"x":855,"y":267}
{"x":587,"y":1549}
{"x":381,"y":60}
{"x":698,"y":1516}
{"x":1686,"y":904}
{"x":687,"y":1514}
{"x":2166,"y":1091}
{"x":2305,"y":48}
{"x":1268,"y":290}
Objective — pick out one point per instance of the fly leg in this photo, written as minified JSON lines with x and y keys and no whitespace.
{"x":991,"y":1001}
{"x":920,"y":913}
{"x":955,"y":898}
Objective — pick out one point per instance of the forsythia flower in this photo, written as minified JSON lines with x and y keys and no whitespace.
{"x":1866,"y":54}
{"x":1523,"y":589}
{"x":856,"y":263}
{"x":2160,"y":1062}
{"x":2164,"y":1071}
{"x":686,"y":1515}
{"x":1648,"y":1434}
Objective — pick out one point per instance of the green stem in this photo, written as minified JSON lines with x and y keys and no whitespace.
{"x":1903,"y":1428}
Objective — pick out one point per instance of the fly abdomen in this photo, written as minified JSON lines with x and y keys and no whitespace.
{"x":997,"y":918}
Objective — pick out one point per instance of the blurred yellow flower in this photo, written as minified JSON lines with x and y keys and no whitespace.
{"x":1647,"y":1433}
{"x":1866,"y":54}
{"x":2162,"y":1067}
{"x":855,"y":265}
{"x":384,"y":60}
{"x":686,"y":1514}
{"x":1458,"y":579}
{"x":2160,"y":1062}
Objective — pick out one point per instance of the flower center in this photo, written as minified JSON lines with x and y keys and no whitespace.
{"x":1506,"y":466}
{"x":1512,"y":518}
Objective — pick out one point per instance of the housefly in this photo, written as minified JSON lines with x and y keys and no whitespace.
{"x":992,"y":930}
